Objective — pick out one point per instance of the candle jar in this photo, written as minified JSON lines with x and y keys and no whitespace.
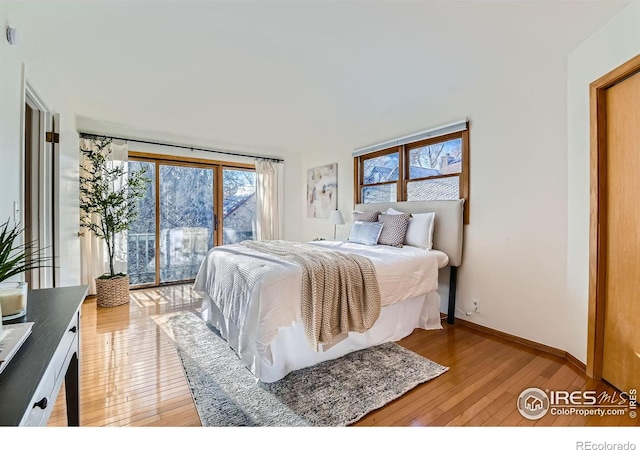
{"x":13,"y":299}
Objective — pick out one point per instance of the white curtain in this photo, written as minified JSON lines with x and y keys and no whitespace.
{"x":94,"y":259}
{"x":268,"y":200}
{"x":119,"y":156}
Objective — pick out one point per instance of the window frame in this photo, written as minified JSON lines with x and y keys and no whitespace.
{"x":404,"y":172}
{"x":360,"y":170}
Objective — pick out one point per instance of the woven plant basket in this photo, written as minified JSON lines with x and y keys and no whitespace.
{"x":112,"y":291}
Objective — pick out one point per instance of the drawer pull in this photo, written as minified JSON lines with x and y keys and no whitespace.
{"x":73,"y":329}
{"x":42,"y":404}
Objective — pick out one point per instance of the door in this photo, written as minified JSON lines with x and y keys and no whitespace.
{"x":39,"y":183}
{"x":621,"y":337}
{"x":141,"y":237}
{"x":175,"y":227}
{"x":31,"y":124}
{"x":239,"y":205}
{"x":55,"y":237}
{"x":187,"y":221}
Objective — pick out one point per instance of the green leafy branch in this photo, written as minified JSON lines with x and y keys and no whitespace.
{"x":19,"y":258}
{"x":107,"y":210}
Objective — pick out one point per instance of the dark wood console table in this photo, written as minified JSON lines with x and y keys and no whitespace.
{"x":31,"y":381}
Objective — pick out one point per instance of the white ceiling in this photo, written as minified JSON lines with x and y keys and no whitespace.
{"x":284,"y":76}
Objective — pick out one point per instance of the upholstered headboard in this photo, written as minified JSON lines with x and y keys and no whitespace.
{"x":447,"y":232}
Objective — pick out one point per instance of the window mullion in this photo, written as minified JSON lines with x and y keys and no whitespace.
{"x":402,"y":174}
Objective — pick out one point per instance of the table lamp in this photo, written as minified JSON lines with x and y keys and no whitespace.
{"x":336,"y":219}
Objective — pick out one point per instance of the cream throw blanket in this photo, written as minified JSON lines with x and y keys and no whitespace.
{"x":340,"y":291}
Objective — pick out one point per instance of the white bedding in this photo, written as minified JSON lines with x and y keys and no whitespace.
{"x":273,"y":308}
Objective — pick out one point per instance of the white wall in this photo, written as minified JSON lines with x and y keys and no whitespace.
{"x":615,"y":43}
{"x":527,"y":246}
{"x":515,"y":244}
{"x":32,"y":54}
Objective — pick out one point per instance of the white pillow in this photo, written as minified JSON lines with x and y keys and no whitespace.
{"x":420,"y":229}
{"x":366,"y":233}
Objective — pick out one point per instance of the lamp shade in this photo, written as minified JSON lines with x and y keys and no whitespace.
{"x":336,"y":218}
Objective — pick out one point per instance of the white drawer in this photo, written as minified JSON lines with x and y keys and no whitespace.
{"x":36,"y":415}
{"x":66,"y":343}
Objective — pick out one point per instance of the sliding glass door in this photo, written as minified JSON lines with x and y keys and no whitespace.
{"x":239,"y":209}
{"x":186,"y":220}
{"x":141,"y":238}
{"x":189,"y":208}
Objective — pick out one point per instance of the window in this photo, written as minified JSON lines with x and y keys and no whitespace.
{"x":381,"y":174}
{"x":435,"y":168}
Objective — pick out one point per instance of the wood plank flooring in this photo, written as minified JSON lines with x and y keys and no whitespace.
{"x":131,"y":374}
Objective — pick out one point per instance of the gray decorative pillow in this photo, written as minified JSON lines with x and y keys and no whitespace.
{"x":365,"y":217}
{"x":394,"y":230}
{"x":365,"y":232}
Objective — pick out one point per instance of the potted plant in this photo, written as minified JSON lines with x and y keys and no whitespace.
{"x":15,"y":259}
{"x":108,"y":207}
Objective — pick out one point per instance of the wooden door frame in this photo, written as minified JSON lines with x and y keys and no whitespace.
{"x":598,"y":212}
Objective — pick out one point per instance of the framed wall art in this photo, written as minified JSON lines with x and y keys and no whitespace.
{"x":322,"y":190}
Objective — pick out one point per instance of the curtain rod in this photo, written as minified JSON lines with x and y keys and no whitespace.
{"x":188,"y":147}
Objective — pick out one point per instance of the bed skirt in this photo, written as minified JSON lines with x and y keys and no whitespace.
{"x":290,"y":350}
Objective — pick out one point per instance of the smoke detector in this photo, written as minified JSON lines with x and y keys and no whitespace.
{"x":12,"y":36}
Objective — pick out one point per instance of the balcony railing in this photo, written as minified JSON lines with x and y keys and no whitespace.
{"x":181,"y":252}
{"x":141,"y":264}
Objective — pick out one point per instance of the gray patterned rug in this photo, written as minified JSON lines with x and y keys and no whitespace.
{"x":333,"y":393}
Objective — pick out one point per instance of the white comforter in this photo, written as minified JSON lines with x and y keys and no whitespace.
{"x":275,"y":300}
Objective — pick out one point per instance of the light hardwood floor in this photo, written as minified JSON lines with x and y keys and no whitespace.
{"x":131,"y":374}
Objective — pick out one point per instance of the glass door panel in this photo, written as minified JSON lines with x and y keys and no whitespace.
{"x":186,"y":220}
{"x":239,"y":205}
{"x":141,"y":237}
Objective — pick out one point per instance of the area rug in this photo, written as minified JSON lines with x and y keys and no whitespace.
{"x":333,"y":393}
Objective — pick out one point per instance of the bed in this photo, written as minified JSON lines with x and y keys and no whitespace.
{"x":265,"y":326}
